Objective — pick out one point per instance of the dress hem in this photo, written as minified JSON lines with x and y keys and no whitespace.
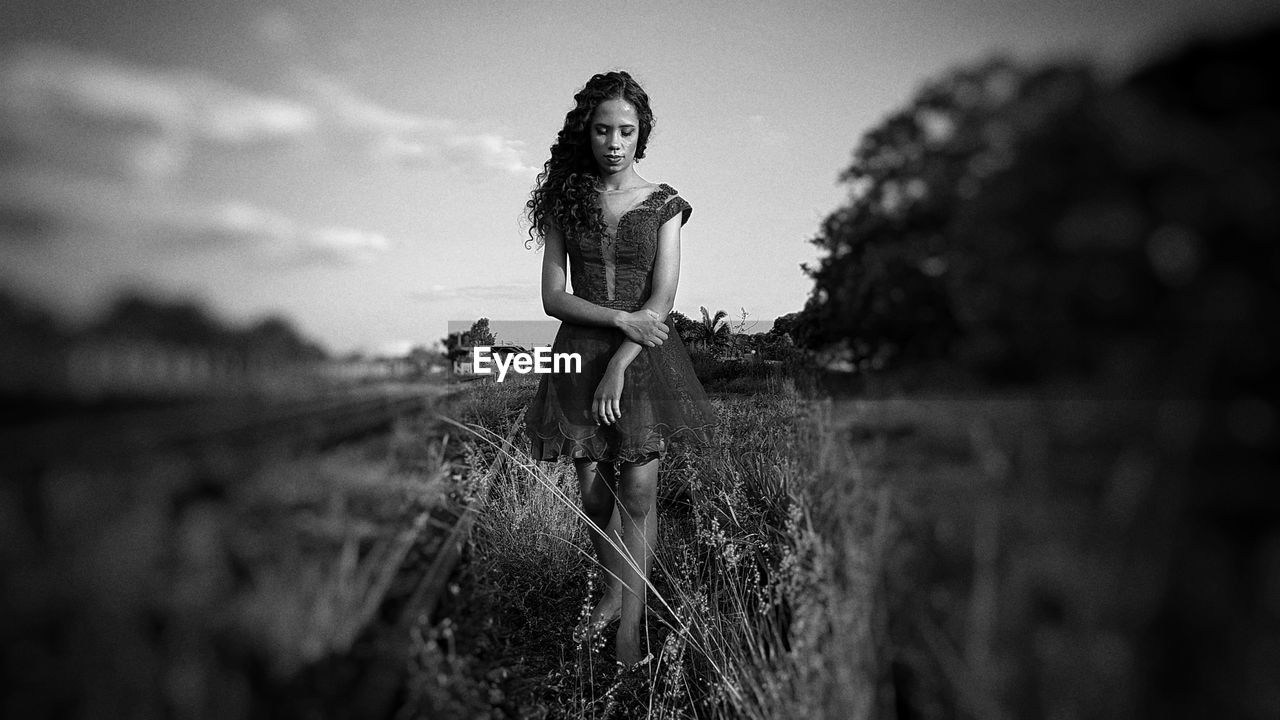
{"x":550,"y":446}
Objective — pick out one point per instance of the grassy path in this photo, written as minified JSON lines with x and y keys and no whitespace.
{"x":738,"y":604}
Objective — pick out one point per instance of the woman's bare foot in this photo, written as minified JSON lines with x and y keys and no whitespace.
{"x":631,"y":649}
{"x":606,"y":611}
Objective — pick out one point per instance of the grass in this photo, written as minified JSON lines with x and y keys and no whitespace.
{"x":902,"y":553}
{"x":198,"y":583}
{"x":741,"y":587}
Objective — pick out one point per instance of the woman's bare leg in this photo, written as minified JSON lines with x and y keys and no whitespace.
{"x":598,"y":484}
{"x":637,"y":496}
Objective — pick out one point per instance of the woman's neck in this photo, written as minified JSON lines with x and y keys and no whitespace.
{"x":628,"y":180}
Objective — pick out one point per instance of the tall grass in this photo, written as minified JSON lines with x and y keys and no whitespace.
{"x":741,"y":587}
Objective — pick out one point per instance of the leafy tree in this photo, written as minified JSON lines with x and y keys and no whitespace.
{"x":186,"y":323}
{"x":277,"y":336}
{"x":480,"y":334}
{"x":772,"y":346}
{"x":714,"y":330}
{"x":785,"y":326}
{"x":685,"y":327}
{"x":459,"y":343}
{"x":882,"y":292}
{"x":179,"y":322}
{"x":1031,"y":222}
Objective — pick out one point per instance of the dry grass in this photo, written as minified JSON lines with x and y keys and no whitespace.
{"x":741,"y":594}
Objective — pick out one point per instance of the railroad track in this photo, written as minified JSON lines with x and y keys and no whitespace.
{"x":408,"y":560}
{"x":240,"y":424}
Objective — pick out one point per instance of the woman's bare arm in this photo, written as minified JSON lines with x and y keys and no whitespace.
{"x":643,"y":326}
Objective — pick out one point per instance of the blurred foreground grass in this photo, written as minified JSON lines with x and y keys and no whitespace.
{"x":900,"y":552}
{"x":200,"y":582}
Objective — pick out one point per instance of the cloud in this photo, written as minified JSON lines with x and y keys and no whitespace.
{"x":386,"y":134}
{"x":486,"y":151}
{"x":48,"y":207}
{"x":359,"y":115}
{"x":96,"y":113}
{"x":269,"y":236}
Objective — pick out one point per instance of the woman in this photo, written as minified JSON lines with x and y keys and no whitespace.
{"x":637,"y":390}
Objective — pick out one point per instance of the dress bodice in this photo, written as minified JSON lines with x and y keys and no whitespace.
{"x":614,"y":268}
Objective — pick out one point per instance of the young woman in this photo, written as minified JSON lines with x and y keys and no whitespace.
{"x":637,"y":390}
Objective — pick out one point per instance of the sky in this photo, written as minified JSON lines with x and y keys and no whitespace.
{"x":362,"y":168}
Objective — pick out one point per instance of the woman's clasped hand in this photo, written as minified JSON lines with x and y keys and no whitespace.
{"x":643,"y":326}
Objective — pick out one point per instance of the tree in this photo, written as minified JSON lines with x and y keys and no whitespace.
{"x":714,"y":330}
{"x":187,"y":323}
{"x":480,"y":334}
{"x":785,"y":325}
{"x":685,"y":327}
{"x":772,"y":346}
{"x":1035,"y":222}
{"x":459,"y":343}
{"x":884,"y":292}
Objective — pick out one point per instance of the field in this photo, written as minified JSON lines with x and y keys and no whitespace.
{"x":740,"y":575}
{"x":901,"y":551}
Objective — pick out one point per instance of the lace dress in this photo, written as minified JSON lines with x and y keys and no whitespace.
{"x":662,"y":399}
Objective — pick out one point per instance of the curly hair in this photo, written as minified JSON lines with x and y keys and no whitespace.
{"x":566,"y":189}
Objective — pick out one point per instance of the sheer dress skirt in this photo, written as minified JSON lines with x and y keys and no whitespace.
{"x":662,"y":401}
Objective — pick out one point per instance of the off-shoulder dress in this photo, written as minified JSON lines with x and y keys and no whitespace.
{"x":662,"y":400}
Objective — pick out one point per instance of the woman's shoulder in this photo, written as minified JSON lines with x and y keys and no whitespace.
{"x":669,"y":203}
{"x":662,"y":193}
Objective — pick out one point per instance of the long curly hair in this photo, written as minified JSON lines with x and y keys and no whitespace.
{"x":567,"y":189}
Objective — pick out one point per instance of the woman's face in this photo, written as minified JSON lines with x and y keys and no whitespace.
{"x":614,"y":132}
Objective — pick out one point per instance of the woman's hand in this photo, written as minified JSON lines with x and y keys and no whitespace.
{"x":644,"y":327}
{"x":606,"y":406}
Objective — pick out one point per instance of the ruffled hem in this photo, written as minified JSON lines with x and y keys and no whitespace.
{"x":662,"y":401}
{"x":598,"y":447}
